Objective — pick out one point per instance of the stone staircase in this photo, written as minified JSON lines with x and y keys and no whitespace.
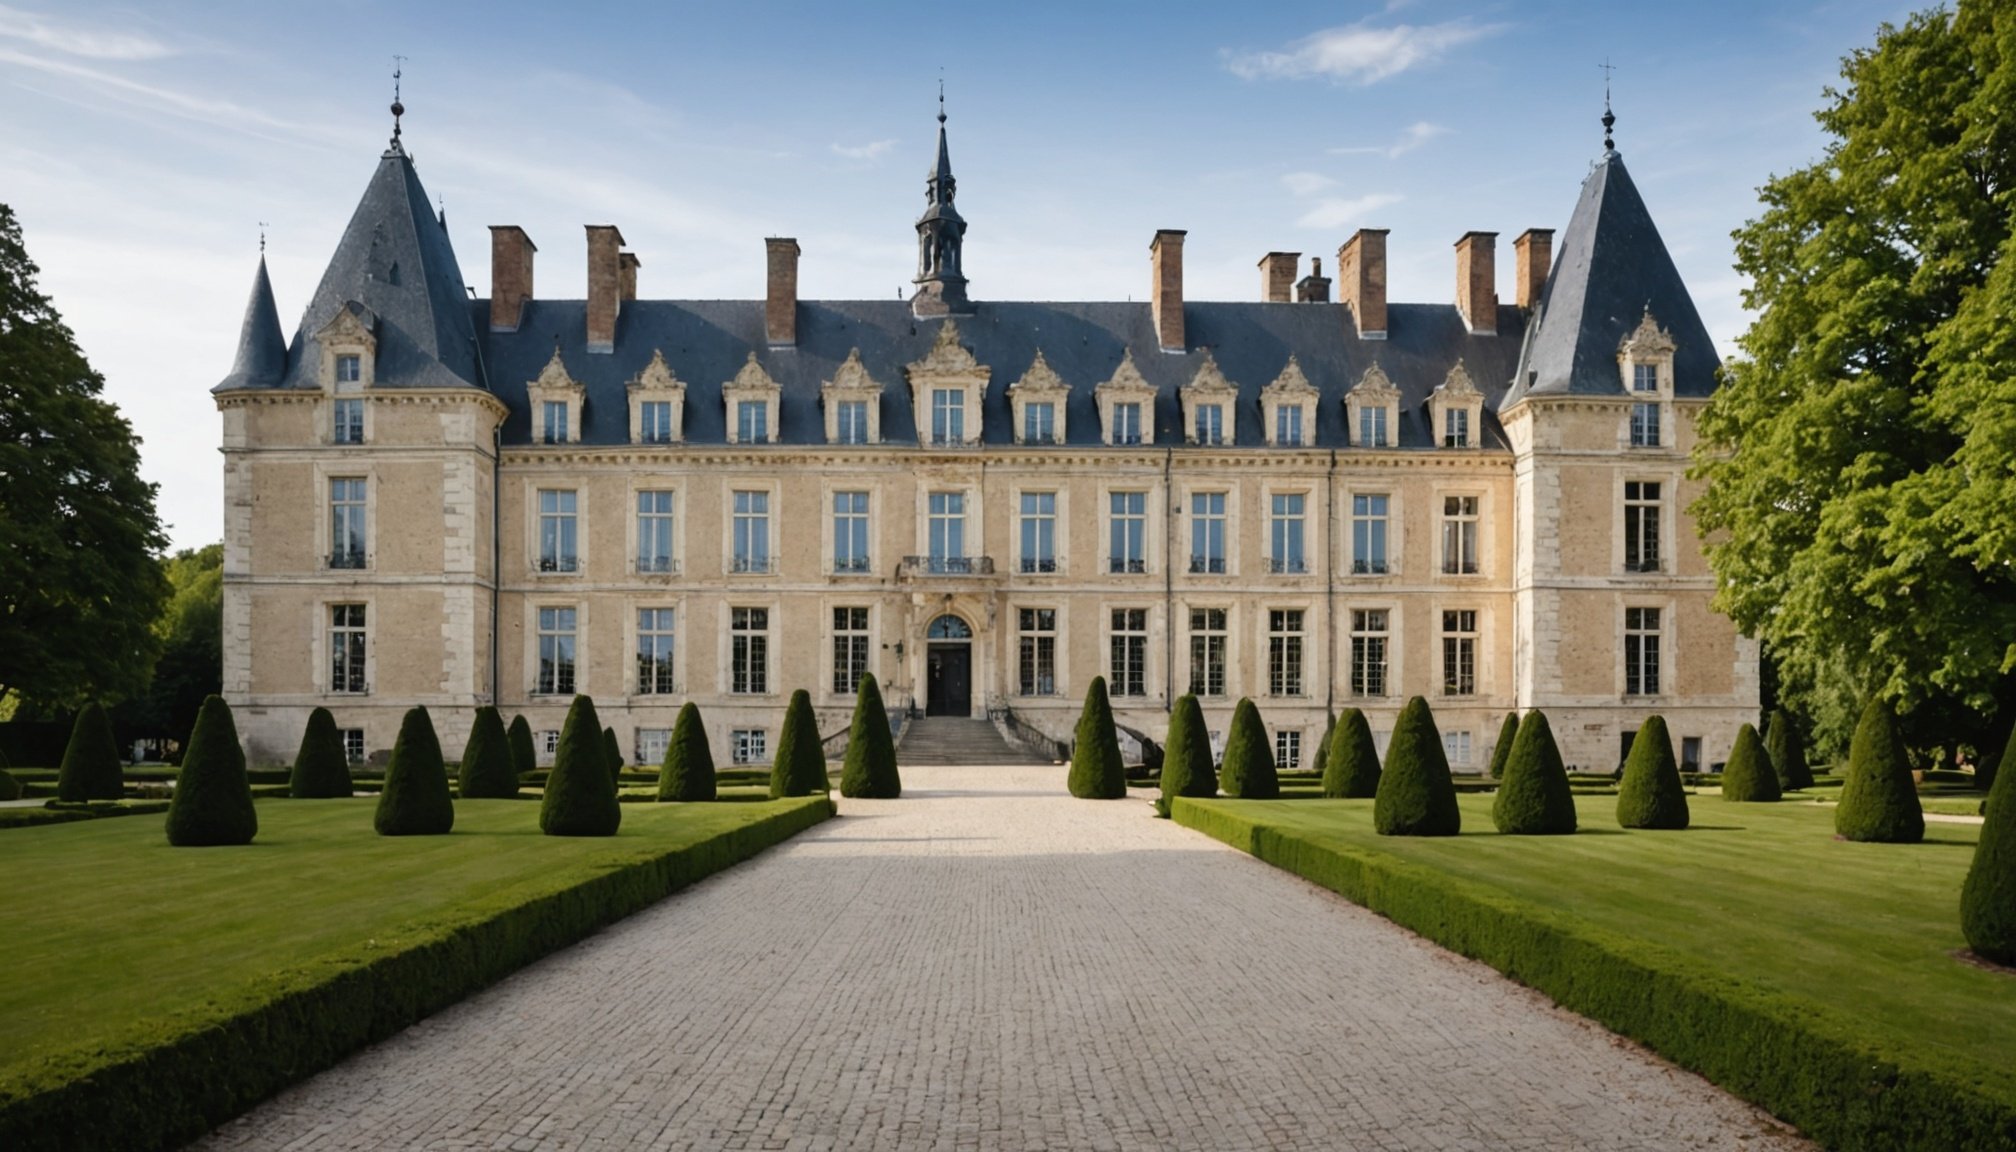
{"x":955,"y":740}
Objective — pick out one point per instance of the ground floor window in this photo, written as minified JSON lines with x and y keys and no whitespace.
{"x":1690,"y":753}
{"x":549,"y":745}
{"x":353,"y":745}
{"x":1456,"y":746}
{"x":1207,"y":651}
{"x":1284,"y":652}
{"x":651,"y":744}
{"x":851,"y":644}
{"x":1130,"y":652}
{"x":750,"y":746}
{"x":1287,"y":750}
{"x":1037,"y":651}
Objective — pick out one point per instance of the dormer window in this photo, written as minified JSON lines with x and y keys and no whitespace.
{"x":853,"y":403}
{"x":1126,"y":405}
{"x":1455,"y":428}
{"x":654,"y":422}
{"x":752,"y":421}
{"x":557,"y":399}
{"x":553,"y":422}
{"x":657,"y":403}
{"x":1288,"y":427}
{"x":1645,"y":360}
{"x":1372,"y":432}
{"x":948,"y":416}
{"x":349,"y":349}
{"x":1038,"y":402}
{"x":752,"y":398}
{"x":851,"y":422}
{"x":349,"y":369}
{"x":1039,"y":422}
{"x":1457,"y":408}
{"x":945,"y":390}
{"x":1210,"y":424}
{"x":1644,"y":378}
{"x":1290,"y":406}
{"x":1372,"y":410}
{"x":1127,"y":422}
{"x":1208,"y":403}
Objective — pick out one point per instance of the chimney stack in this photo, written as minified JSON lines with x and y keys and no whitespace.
{"x":1277,"y":276}
{"x":1165,"y":292}
{"x":1535,"y":249}
{"x":627,"y":270}
{"x":510,"y":275}
{"x":1361,"y":275}
{"x":1477,"y":281}
{"x":1315,"y":287}
{"x":605,"y":285}
{"x":780,"y":302}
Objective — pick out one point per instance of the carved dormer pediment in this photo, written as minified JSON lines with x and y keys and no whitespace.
{"x":1040,"y":385}
{"x":1372,"y":408}
{"x":1288,"y":406}
{"x":851,"y":376}
{"x":945,"y":390}
{"x":354,"y":325}
{"x":1648,"y":341}
{"x":554,"y":380}
{"x":948,"y":357}
{"x":852,"y":387}
{"x":1209,"y":381}
{"x":1127,"y":404}
{"x":752,"y":378}
{"x":1375,"y":387}
{"x":1291,"y":384}
{"x":1458,"y":409}
{"x":557,"y":399}
{"x":657,"y":376}
{"x":1458,"y":385}
{"x":752,"y":385}
{"x":657,"y":384}
{"x":1127,"y":381}
{"x":1040,"y":380}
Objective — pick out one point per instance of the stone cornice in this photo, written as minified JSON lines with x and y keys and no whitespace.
{"x":434,"y":397}
{"x":903,"y":456}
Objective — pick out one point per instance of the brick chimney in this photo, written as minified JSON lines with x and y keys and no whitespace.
{"x":780,"y":301}
{"x":1165,"y":292}
{"x":1277,"y":276}
{"x":1477,"y":281}
{"x":1535,"y":255}
{"x":510,"y":275}
{"x":627,"y":270}
{"x":1315,"y":287}
{"x":605,"y":285}
{"x":1361,"y":281}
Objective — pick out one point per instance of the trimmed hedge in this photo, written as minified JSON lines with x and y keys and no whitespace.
{"x":1801,"y":1060}
{"x":10,"y":788}
{"x":1651,"y":795}
{"x":1416,"y":796}
{"x":91,"y":768}
{"x":580,"y":795}
{"x":1748,"y":776}
{"x":415,"y":800}
{"x":486,"y":771}
{"x":800,"y":765}
{"x":1186,"y":754}
{"x":1321,"y":761}
{"x":70,"y":814}
{"x":1351,"y":770}
{"x":321,"y":769}
{"x":870,"y":768}
{"x":1879,"y":799}
{"x":1788,"y":752}
{"x":1534,"y":800}
{"x":1502,"y":750}
{"x":524,"y":757}
{"x":212,"y":806}
{"x":1097,"y":772}
{"x":687,"y":773}
{"x":1248,"y":771}
{"x":1988,"y":898}
{"x":612,"y":755}
{"x":194,"y":1073}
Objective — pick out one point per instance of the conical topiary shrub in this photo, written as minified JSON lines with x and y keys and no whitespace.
{"x":1502,"y":751}
{"x":321,"y":767}
{"x":1989,"y":768}
{"x":524,"y":757}
{"x":1248,"y":771}
{"x":1988,"y":898}
{"x":91,"y":768}
{"x":1534,"y":799}
{"x":800,"y":766}
{"x":10,"y":788}
{"x":1879,"y":799}
{"x":486,"y":771}
{"x":416,"y":800}
{"x":1748,"y":777}
{"x":612,"y":756}
{"x":580,"y":796}
{"x":1097,"y":772}
{"x":870,"y":768}
{"x":1650,"y":795}
{"x":1788,"y":752}
{"x":1416,"y":796}
{"x":212,"y":805}
{"x":1321,"y":761}
{"x":688,"y":771}
{"x":1186,"y":753}
{"x":1351,"y":771}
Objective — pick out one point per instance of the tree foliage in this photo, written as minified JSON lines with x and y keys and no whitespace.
{"x":1351,"y":770}
{"x":580,"y":795}
{"x":190,"y":667}
{"x":1097,"y":772}
{"x":800,"y":766}
{"x":321,"y":768}
{"x":1186,"y":755}
{"x":688,"y":771}
{"x":1651,"y":795}
{"x":486,"y":771}
{"x":1988,"y":898}
{"x":870,"y":768}
{"x":91,"y":768}
{"x":1534,"y":799}
{"x":1416,"y":796}
{"x":1248,"y":771}
{"x":1861,"y":453}
{"x":415,"y":800}
{"x":80,"y":585}
{"x":212,"y":805}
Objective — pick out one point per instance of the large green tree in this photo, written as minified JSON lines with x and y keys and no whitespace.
{"x":80,"y":585}
{"x":190,"y":667}
{"x":1861,"y":452}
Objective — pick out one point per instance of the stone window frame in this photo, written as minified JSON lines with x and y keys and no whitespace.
{"x":774,"y":515}
{"x":1060,"y":651}
{"x":1396,"y":527}
{"x":827,"y":606}
{"x":657,"y":383}
{"x":1209,"y":387}
{"x":1668,"y":522}
{"x":1457,"y":392}
{"x":753,"y":383}
{"x":1480,"y":680}
{"x":556,"y":385}
{"x":828,"y":538}
{"x":1374,"y":389}
{"x":851,"y":382}
{"x":326,"y":419}
{"x":1396,"y":651}
{"x":1651,"y":346}
{"x":319,"y":642}
{"x":1125,"y":386}
{"x":1060,"y":526}
{"x":1281,"y":736}
{"x":1312,"y":542}
{"x":1229,"y":489}
{"x":682,"y":643}
{"x":1668,"y":608}
{"x":325,"y":514}
{"x":1233,"y":621}
{"x":530,"y":646}
{"x":1486,"y":536}
{"x":1149,"y":632}
{"x":1312,"y":671}
{"x":1040,"y":385}
{"x":972,"y":519}
{"x":1291,"y":389}
{"x":725,"y":639}
{"x":1151,"y":526}
{"x":948,"y":365}
{"x":640,"y":484}
{"x":583,"y":537}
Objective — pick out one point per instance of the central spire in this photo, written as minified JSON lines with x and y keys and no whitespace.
{"x":941,"y":236}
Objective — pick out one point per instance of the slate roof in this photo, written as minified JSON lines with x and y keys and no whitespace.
{"x":1611,"y":266}
{"x":262,"y":350}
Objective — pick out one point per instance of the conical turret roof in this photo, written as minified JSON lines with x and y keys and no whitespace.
{"x":262,"y":350}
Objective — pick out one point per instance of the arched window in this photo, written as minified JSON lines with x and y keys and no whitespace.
{"x":950,"y":628}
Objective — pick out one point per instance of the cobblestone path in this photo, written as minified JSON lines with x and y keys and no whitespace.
{"x":988,"y":964}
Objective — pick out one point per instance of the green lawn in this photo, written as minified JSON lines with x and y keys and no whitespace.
{"x":1762,"y":892}
{"x":111,"y":931}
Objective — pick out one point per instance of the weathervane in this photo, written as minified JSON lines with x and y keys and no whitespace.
{"x":398,"y":109}
{"x":1609,"y":118}
{"x":941,"y":95}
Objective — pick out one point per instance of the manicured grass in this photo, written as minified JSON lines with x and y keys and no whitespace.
{"x":1756,"y":904}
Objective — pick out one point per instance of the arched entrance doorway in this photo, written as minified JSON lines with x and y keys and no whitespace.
{"x":948,"y":656}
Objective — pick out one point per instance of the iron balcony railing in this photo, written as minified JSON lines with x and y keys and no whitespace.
{"x":656,"y":565}
{"x":759,"y":565}
{"x":947,"y":566}
{"x":346,"y":559}
{"x":850,"y":565}
{"x":1287,"y":566}
{"x":1041,"y":564}
{"x":1208,"y":565}
{"x":559,"y":563}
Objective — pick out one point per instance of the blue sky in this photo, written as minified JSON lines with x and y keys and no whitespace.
{"x":143,"y":146}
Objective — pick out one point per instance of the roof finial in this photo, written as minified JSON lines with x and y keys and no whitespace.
{"x":1609,"y":117}
{"x":262,"y":238}
{"x":398,"y":109}
{"x":941,"y":95}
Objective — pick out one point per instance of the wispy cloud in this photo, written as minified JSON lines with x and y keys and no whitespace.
{"x":1306,"y":183}
{"x":147,"y":100}
{"x":1337,"y":211}
{"x":868,"y":151}
{"x":1414,"y":136}
{"x":78,"y":39}
{"x":1359,"y":53}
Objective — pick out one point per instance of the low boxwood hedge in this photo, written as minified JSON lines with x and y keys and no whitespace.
{"x":197,"y":1071}
{"x":62,"y":812}
{"x":1791,"y":1056}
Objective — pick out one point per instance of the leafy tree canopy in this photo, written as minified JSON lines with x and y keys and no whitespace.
{"x":1861,"y":452}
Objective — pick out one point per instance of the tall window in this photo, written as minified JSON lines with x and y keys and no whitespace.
{"x":850,"y":532}
{"x":1128,"y":532}
{"x":1288,"y":426}
{"x":752,"y":421}
{"x":1130,"y":652}
{"x":948,"y":416}
{"x":1036,"y":642}
{"x":1641,"y":526}
{"x":1459,"y":535}
{"x":1284,"y":652}
{"x":851,"y":422}
{"x":349,"y":420}
{"x":556,"y":652}
{"x":353,"y":745}
{"x":749,"y":746}
{"x":1372,"y":426}
{"x":1456,"y":748}
{"x":1207,"y":651}
{"x":1459,"y":653}
{"x":1287,"y":750}
{"x":1369,"y":640}
{"x":655,"y":639}
{"x":1641,"y":651}
{"x":1207,"y":532}
{"x":654,"y":532}
{"x":1285,"y":530}
{"x":1455,"y":427}
{"x":346,"y":522}
{"x":749,"y":650}
{"x":555,"y":421}
{"x":1368,"y":533}
{"x":651,"y":744}
{"x":557,"y":537}
{"x":947,"y":512}
{"x":851,"y":645}
{"x":655,"y":416}
{"x":1644,"y":425}
{"x":1644,"y":377}
{"x":346,"y":648}
{"x":1039,"y":422}
{"x":751,"y":532}
{"x":349,"y":369}
{"x":1039,"y":532}
{"x":1210,"y":424}
{"x":1127,"y":422}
